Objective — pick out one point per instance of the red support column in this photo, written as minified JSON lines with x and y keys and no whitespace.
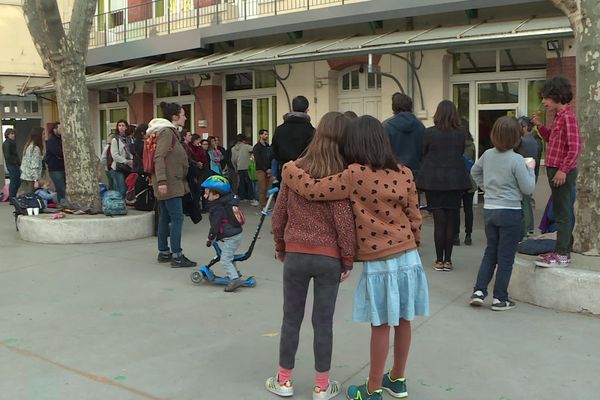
{"x":141,"y":108}
{"x":211,"y":99}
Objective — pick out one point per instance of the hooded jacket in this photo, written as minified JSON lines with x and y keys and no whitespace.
{"x":405,"y":132}
{"x":170,"y":163}
{"x":220,"y":215}
{"x":292,"y":137}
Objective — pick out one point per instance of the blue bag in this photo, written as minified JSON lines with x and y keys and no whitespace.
{"x":468,"y":163}
{"x":113,"y":204}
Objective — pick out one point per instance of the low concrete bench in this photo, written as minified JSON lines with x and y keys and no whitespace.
{"x":575,"y":288}
{"x":86,"y":228}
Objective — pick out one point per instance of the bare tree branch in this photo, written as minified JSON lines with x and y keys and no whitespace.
{"x":81,"y":23}
{"x":572,"y":9}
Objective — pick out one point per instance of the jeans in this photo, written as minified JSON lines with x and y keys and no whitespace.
{"x":228,"y":249}
{"x":502,"y":230}
{"x":14,"y":173}
{"x":170,"y":224}
{"x":119,"y":182}
{"x":527,"y":223}
{"x":60,"y":183}
{"x":562,"y":206}
{"x":298,"y":269}
{"x":245,"y":190}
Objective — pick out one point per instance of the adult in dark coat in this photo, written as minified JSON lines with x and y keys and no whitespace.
{"x":405,"y":132}
{"x":444,"y":178}
{"x":292,"y":137}
{"x":55,"y":160}
{"x":12,"y":160}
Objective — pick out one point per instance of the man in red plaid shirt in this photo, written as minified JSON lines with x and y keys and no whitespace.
{"x":562,"y":152}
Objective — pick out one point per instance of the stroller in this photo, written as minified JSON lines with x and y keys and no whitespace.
{"x":204,"y":273}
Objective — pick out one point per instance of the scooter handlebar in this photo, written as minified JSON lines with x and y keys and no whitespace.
{"x":272,"y":191}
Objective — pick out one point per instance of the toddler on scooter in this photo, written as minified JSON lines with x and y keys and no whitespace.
{"x":226,"y":222}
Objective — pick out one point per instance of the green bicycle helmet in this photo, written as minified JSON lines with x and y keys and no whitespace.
{"x":217,"y":183}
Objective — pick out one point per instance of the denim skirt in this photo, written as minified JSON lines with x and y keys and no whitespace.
{"x":392,"y":289}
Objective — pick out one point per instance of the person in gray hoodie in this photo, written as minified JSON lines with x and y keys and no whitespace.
{"x":505,"y":177}
{"x":405,"y":132}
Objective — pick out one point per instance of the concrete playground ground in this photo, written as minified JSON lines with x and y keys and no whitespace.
{"x":106,"y":321}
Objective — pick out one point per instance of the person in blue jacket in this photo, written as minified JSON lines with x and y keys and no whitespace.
{"x":405,"y":132}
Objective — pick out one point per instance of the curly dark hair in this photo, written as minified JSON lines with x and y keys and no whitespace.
{"x":558,"y":89}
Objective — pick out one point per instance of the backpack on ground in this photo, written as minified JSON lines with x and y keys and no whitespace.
{"x":144,"y":194}
{"x":150,"y":151}
{"x":113,"y":204}
{"x":25,"y":201}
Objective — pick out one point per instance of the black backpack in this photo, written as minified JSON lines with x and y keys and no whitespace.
{"x":22,"y":202}
{"x":144,"y":195}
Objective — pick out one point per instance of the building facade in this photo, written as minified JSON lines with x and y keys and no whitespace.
{"x":235,"y":65}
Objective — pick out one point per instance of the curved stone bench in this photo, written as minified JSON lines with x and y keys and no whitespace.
{"x":575,"y":288}
{"x":86,"y":228}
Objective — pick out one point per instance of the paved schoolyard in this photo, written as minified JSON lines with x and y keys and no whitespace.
{"x":106,"y":321}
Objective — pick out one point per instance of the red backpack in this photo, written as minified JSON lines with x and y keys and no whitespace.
{"x":150,"y":151}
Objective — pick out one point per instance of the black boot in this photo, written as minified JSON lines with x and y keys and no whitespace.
{"x":468,"y":240}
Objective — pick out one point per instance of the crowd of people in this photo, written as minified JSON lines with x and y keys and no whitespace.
{"x":350,"y":190}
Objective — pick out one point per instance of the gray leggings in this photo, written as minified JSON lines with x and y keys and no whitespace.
{"x":298,"y":269}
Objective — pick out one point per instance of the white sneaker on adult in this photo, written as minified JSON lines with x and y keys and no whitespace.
{"x":254,"y":203}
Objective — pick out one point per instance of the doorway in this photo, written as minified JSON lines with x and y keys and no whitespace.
{"x":248,"y":115}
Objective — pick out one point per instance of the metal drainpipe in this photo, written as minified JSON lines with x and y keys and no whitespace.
{"x":410,"y":76}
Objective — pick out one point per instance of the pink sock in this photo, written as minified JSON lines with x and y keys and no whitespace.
{"x":284,"y":375}
{"x":322,"y":379}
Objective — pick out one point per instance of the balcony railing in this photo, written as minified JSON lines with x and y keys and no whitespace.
{"x":162,"y":17}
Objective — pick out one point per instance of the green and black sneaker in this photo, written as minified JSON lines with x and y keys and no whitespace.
{"x":361,"y":392}
{"x":395,"y":387}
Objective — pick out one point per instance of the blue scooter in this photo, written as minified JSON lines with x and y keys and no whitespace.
{"x":204,"y":273}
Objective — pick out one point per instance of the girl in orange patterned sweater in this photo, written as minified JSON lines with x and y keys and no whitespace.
{"x":315,"y":241}
{"x":393,"y":287}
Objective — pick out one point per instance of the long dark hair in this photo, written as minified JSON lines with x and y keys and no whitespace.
{"x":323,"y":156}
{"x":36,"y":137}
{"x":446,"y":116}
{"x":367,"y":144}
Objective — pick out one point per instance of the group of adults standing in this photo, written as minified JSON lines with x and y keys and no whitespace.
{"x":27,"y":168}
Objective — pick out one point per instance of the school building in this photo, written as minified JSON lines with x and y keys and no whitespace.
{"x":235,"y":65}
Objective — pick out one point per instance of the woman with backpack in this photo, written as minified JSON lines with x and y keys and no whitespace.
{"x":31,"y":165}
{"x":122,"y":160}
{"x":170,"y":183}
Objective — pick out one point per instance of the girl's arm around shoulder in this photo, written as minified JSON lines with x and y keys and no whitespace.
{"x":280,"y":217}
{"x":412,"y":209}
{"x":335,"y":187}
{"x":346,"y":231}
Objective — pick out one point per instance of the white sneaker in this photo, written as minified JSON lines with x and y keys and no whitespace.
{"x":273,"y":386}
{"x":332,"y":390}
{"x":254,"y":203}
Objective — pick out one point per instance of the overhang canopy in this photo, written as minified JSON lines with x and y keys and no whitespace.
{"x":439,"y":37}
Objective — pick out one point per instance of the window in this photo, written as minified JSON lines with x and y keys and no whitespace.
{"x":172,"y":89}
{"x":515,"y":59}
{"x":241,"y":81}
{"x":373,"y":81}
{"x":23,"y":108}
{"x":113,"y":95}
{"x":355,"y":80}
{"x":498,"y":92}
{"x":264,"y":80}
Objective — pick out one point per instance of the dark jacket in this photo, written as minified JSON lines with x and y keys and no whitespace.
{"x":262,"y":156}
{"x":292,"y":137}
{"x":405,"y":132}
{"x":443,"y":165}
{"x":220,"y":216}
{"x":54,"y":154}
{"x":11,"y":155}
{"x":137,"y":151}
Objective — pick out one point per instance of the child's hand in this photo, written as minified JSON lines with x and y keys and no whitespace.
{"x":280,"y":255}
{"x":530,"y":162}
{"x":344,"y":275}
